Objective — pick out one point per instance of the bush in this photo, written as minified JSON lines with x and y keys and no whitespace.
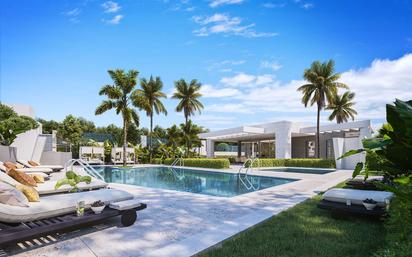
{"x":309,"y":163}
{"x":157,"y":161}
{"x":218,"y":163}
{"x":375,"y":161}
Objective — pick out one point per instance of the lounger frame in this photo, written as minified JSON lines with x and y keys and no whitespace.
{"x":351,"y":209}
{"x":14,"y":233}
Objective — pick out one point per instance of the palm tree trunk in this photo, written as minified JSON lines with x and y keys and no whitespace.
{"x":151,"y":139}
{"x":124,"y":141}
{"x":187,"y":141}
{"x":317,"y":132}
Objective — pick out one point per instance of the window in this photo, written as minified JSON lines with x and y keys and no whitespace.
{"x":310,"y":149}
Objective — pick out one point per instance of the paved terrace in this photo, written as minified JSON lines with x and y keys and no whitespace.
{"x":180,"y":223}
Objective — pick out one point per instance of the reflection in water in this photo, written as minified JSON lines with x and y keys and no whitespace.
{"x":195,"y":181}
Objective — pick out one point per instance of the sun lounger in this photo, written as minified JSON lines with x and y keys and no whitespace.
{"x":28,"y":165}
{"x":48,"y":187}
{"x":27,"y":170}
{"x":56,"y":213}
{"x":359,"y":182}
{"x":351,"y":201}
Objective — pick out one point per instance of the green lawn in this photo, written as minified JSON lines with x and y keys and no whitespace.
{"x":305,"y":231}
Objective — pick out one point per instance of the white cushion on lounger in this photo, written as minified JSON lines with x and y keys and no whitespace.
{"x":56,"y":205}
{"x":369,"y":179}
{"x":6,"y":178}
{"x":340,"y":195}
{"x":48,"y":187}
{"x":45,"y":170}
{"x":124,"y":205}
{"x":26,"y":163}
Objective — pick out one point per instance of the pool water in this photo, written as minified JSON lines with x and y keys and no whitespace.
{"x":188,"y":180}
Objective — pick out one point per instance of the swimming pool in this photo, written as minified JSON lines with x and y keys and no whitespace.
{"x":188,"y":180}
{"x":301,"y":170}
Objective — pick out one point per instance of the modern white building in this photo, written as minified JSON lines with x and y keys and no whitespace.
{"x":287,"y":139}
{"x":33,"y":144}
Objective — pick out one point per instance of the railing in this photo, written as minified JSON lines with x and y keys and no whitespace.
{"x":180,"y":162}
{"x":247,"y":182}
{"x":86,"y":167}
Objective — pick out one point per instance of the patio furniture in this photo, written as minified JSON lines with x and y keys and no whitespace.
{"x":57,"y":213}
{"x":341,"y":200}
{"x":28,"y":165}
{"x":3,"y":167}
{"x":359,"y":182}
{"x":117,"y":155}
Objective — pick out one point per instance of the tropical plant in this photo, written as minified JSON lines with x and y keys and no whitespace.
{"x":342,"y":107}
{"x":73,"y":180}
{"x":173,"y":136}
{"x":148,"y":98}
{"x":190,"y":135}
{"x":107,"y":146}
{"x":12,"y":124}
{"x":119,"y":98}
{"x":189,"y":95}
{"x":48,"y":125}
{"x":323,"y":85}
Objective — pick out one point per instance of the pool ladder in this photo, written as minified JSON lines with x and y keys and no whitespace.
{"x":246,"y":181}
{"x":86,"y":167}
{"x":179,"y":161}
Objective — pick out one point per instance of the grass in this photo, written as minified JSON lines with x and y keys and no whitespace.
{"x":305,"y":231}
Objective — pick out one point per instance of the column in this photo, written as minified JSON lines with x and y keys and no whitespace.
{"x":283,"y":143}
{"x":239,"y":149}
{"x":210,"y":148}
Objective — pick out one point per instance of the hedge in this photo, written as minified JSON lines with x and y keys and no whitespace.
{"x":217,"y":163}
{"x":309,"y":163}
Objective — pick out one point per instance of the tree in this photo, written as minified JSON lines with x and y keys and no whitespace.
{"x":173,"y":136}
{"x":190,"y":135}
{"x":323,"y":85}
{"x":341,"y":107}
{"x":160,"y":132}
{"x":189,"y":95}
{"x":70,"y":130}
{"x":48,"y":125}
{"x":12,"y":124}
{"x":119,"y":98}
{"x":148,"y":98}
{"x":87,"y":125}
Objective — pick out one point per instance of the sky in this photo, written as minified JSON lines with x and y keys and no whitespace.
{"x":249,"y":55}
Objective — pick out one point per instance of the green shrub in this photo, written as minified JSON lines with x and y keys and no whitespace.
{"x":218,"y":163}
{"x":157,"y":161}
{"x":309,"y":163}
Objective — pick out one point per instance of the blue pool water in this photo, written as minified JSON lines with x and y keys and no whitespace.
{"x":187,"y":180}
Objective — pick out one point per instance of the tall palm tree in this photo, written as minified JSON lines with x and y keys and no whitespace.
{"x":323,"y":85}
{"x":341,"y":107}
{"x":189,"y":95}
{"x":119,"y":98}
{"x":148,"y":99}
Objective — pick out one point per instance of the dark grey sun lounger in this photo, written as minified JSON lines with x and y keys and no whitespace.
{"x":57,"y":214}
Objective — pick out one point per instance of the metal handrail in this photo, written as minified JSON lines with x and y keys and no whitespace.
{"x":174,"y":164}
{"x":86,"y":167}
{"x":249,"y":185}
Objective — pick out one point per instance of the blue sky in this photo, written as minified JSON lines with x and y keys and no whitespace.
{"x":250,"y":55}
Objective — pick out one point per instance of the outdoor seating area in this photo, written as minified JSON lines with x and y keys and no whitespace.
{"x":92,"y":154}
{"x":117,"y":155}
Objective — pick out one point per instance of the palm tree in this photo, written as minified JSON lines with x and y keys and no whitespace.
{"x":148,"y":99}
{"x":190,"y":135}
{"x":341,"y":107}
{"x":119,"y":98}
{"x":189,"y":95}
{"x":323,"y":85}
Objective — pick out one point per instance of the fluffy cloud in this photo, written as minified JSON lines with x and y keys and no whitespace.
{"x":111,"y":7}
{"x":375,"y":86}
{"x":216,"y":3}
{"x":273,"y":65}
{"x":210,"y":91}
{"x":115,"y":20}
{"x":229,"y":108}
{"x":247,"y":80}
{"x":225,"y":24}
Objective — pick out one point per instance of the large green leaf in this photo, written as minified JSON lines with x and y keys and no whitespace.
{"x":351,"y":152}
{"x":358,"y":169}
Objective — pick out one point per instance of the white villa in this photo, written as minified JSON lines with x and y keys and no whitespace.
{"x":287,"y":139}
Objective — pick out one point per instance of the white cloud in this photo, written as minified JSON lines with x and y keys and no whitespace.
{"x":247,"y":80}
{"x":210,"y":91}
{"x":225,"y":24}
{"x":224,"y":65}
{"x":375,"y":86}
{"x":73,"y":15}
{"x":111,"y":7}
{"x":217,"y":3}
{"x":271,"y":5}
{"x":229,"y":108}
{"x":307,"y":6}
{"x":116,"y":20}
{"x":274,"y":65}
